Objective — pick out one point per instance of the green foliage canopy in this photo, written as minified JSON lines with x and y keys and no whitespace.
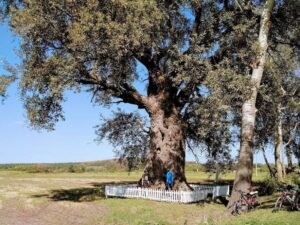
{"x":201,"y":63}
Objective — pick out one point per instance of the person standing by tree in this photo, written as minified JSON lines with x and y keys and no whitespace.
{"x":169,"y":180}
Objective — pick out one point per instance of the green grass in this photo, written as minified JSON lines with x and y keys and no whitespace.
{"x":132,"y":211}
{"x":66,"y":198}
{"x":112,"y":169}
{"x":59,"y":194}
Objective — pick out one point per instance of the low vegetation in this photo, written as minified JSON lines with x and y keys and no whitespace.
{"x":97,"y":166}
{"x":58,"y":195}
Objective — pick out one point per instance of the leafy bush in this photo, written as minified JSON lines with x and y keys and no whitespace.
{"x":76,"y":169}
{"x":268,"y":186}
{"x":293,"y":179}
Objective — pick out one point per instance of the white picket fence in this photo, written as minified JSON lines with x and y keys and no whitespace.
{"x":201,"y":192}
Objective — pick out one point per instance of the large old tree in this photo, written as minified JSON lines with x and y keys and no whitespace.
{"x":197,"y":56}
{"x":189,"y":49}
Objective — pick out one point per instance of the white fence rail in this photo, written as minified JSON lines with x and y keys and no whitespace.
{"x":201,"y":192}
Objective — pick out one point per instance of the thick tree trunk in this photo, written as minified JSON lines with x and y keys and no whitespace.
{"x":167,"y":149}
{"x":243,"y":176}
{"x":278,"y":164}
{"x":268,"y":164}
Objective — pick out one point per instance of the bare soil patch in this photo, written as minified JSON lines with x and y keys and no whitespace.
{"x":48,"y":201}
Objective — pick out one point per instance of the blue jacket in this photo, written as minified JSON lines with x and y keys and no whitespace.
{"x":170,"y":177}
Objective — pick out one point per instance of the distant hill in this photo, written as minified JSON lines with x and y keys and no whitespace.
{"x":103,"y":165}
{"x":112,"y":165}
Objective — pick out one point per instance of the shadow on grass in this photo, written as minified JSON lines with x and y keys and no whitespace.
{"x":209,"y":200}
{"x":84,"y":194}
{"x":268,"y":204}
{"x":96,"y":191}
{"x":211,"y":182}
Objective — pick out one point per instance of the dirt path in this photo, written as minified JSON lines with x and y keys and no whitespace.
{"x":48,"y":201}
{"x":20,"y":213}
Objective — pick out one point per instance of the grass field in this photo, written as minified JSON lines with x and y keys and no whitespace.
{"x":78,"y":198}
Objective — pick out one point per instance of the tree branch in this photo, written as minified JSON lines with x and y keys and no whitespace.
{"x":125,"y":92}
{"x":146,"y":59}
{"x":185,"y":94}
{"x":192,"y":151}
{"x":239,"y":5}
{"x":195,"y":30}
{"x":290,"y":43}
{"x":293,"y":135}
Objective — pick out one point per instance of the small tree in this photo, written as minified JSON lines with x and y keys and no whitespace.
{"x":278,"y":110}
{"x":219,"y":164}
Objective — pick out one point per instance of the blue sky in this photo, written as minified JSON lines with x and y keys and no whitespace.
{"x":72,"y":140}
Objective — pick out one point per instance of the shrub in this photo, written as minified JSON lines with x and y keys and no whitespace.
{"x":76,"y":169}
{"x":293,"y":179}
{"x":268,"y":186}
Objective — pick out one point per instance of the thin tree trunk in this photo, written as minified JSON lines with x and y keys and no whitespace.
{"x":282,"y":161}
{"x":268,"y":164}
{"x":218,"y":173}
{"x":243,"y":176}
{"x":288,"y":149}
{"x":289,"y":157}
{"x":275,"y":159}
{"x":278,"y":149}
{"x":278,"y":157}
{"x":256,"y":173}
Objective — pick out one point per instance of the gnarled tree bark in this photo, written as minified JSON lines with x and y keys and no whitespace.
{"x":167,"y":143}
